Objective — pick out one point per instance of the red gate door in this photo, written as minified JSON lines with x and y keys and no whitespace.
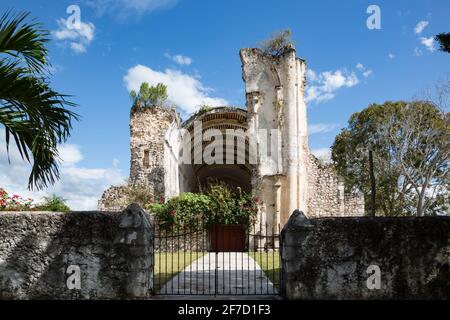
{"x":228,"y":238}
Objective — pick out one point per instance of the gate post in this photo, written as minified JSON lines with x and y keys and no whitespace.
{"x":291,"y":238}
{"x":135,"y":239}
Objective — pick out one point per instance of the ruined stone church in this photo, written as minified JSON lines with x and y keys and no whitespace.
{"x":289,"y":178}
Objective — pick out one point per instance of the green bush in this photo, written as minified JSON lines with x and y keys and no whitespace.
{"x":219,"y":205}
{"x":278,"y":43}
{"x":149,"y":96}
{"x":183,"y":211}
{"x":53,"y":203}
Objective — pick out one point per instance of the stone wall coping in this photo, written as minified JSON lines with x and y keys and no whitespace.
{"x":54,"y":212}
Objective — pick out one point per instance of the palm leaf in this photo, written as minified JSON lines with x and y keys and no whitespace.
{"x":24,"y":41}
{"x":33,"y":114}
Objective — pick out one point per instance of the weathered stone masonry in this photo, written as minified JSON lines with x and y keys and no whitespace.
{"x":112,"y":250}
{"x":328,"y":258}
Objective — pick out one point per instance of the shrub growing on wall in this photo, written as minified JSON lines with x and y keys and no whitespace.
{"x":14,"y":202}
{"x":53,"y":203}
{"x":17,"y":203}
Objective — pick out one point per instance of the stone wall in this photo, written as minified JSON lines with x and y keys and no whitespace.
{"x":112,"y":250}
{"x":326,"y":197}
{"x":341,"y":258}
{"x":114,"y":199}
{"x":183,"y":241}
{"x":148,"y":128}
{"x":354,"y":205}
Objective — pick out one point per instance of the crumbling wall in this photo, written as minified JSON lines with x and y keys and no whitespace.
{"x":148,"y":128}
{"x":40,"y":252}
{"x":354,"y":204}
{"x":326,"y":194}
{"x":115,"y":198}
{"x":154,"y":144}
{"x":366,"y":258}
{"x":277,"y":109}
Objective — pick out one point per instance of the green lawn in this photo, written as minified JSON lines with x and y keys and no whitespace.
{"x":270,"y":264}
{"x":169,"y":264}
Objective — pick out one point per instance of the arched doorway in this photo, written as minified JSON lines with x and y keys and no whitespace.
{"x":235,"y":169}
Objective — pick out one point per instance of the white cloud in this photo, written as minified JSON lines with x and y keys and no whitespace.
{"x":184,"y":90}
{"x":70,"y":154}
{"x":324,"y":85}
{"x":183,"y":60}
{"x":180,"y":59}
{"x":78,"y":47}
{"x":319,"y":128}
{"x":323,"y":154}
{"x":428,"y":43}
{"x":421,"y":25}
{"x":391,"y":56}
{"x":78,"y":37}
{"x":365,"y":72}
{"x":125,"y":8}
{"x":417,"y":52}
{"x":81,"y":187}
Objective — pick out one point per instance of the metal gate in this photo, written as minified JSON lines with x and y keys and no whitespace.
{"x":217,"y":260}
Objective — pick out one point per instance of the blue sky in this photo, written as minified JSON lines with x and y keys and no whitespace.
{"x":194,"y":45}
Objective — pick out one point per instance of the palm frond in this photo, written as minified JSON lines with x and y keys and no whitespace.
{"x":34,"y":116}
{"x":24,"y":41}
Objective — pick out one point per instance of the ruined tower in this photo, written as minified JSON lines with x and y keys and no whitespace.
{"x":148,"y":128}
{"x":276,"y":104}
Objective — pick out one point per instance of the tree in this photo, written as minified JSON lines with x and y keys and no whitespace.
{"x":444,"y":41}
{"x":350,"y":153}
{"x":421,"y":144}
{"x":33,"y":114}
{"x":149,"y":96}
{"x":410,"y":146}
{"x":278,"y":43}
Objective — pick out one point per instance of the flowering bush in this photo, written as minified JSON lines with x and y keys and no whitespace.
{"x":219,"y":205}
{"x":14,"y":202}
{"x":17,"y":203}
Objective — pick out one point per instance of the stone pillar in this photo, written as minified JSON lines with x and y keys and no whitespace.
{"x":291,"y":147}
{"x":136,"y":236}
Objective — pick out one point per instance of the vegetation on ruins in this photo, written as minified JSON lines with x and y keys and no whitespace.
{"x":203,"y":109}
{"x":149,"y":96}
{"x":53,"y":203}
{"x":410,"y":143}
{"x":17,"y":203}
{"x":443,"y":39}
{"x":33,"y":114}
{"x":218,"y":205}
{"x":278,"y":43}
{"x":137,"y":193}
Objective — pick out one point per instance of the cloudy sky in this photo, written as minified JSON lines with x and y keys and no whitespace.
{"x":193,"y":47}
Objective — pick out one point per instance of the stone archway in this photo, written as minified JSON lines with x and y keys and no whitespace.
{"x":235,"y":173}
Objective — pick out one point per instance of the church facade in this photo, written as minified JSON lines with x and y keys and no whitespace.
{"x":262,"y":149}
